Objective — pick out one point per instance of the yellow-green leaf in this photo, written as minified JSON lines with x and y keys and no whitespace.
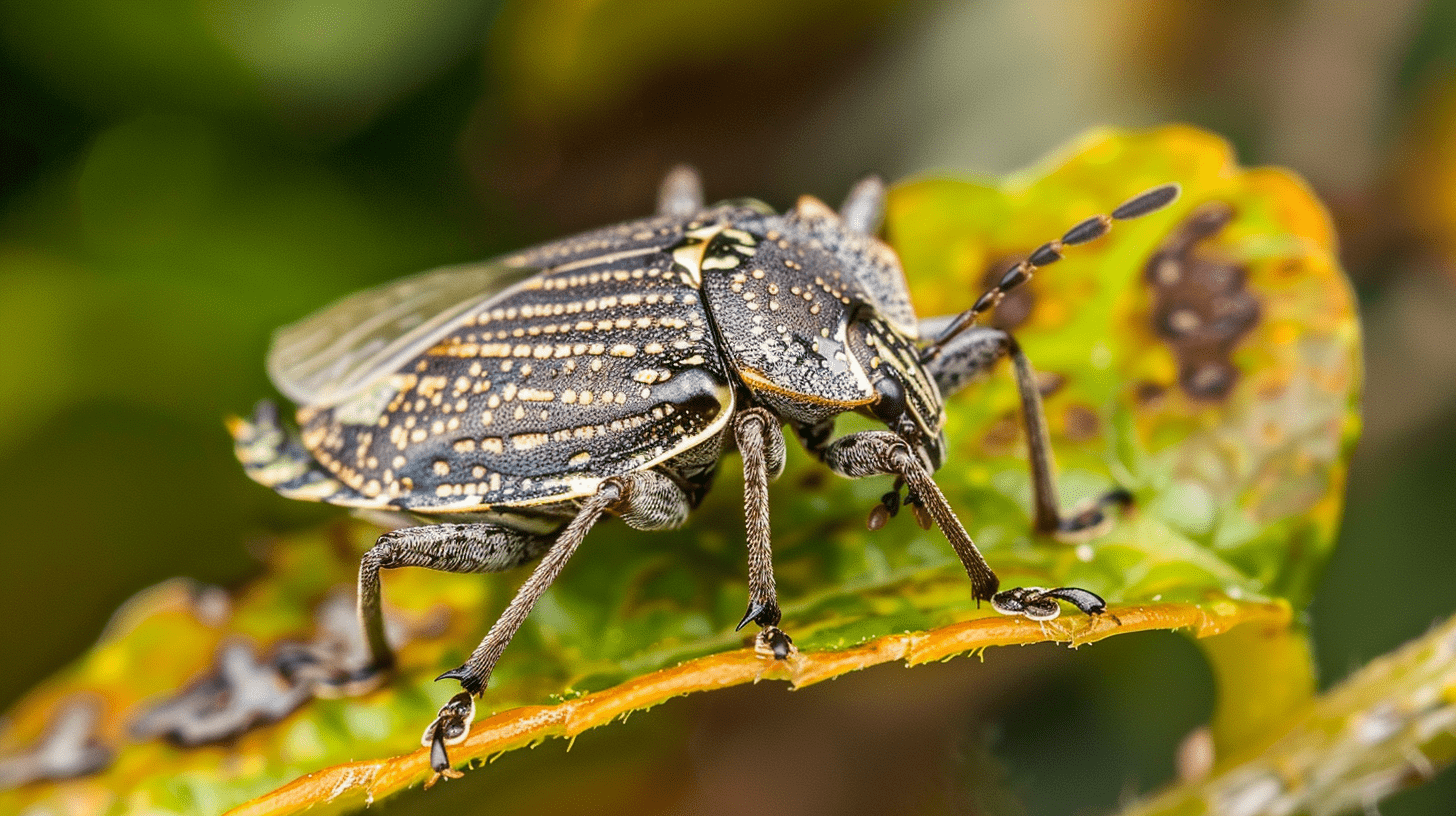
{"x":1230,"y":424}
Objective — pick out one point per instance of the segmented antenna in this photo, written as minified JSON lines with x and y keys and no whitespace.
{"x":1089,"y":230}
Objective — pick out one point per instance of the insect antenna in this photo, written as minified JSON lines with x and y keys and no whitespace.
{"x":1088,"y":230}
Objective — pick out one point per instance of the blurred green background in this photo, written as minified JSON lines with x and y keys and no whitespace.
{"x":180,"y":177}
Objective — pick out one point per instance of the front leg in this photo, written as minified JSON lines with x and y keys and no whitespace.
{"x":874,"y":453}
{"x":871,"y":453}
{"x":761,"y":444}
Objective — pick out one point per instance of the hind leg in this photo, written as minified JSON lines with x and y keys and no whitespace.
{"x":645,"y":500}
{"x":460,"y":548}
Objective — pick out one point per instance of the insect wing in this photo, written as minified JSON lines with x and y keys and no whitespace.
{"x":344,"y":348}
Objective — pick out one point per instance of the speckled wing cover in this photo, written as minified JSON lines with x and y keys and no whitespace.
{"x":601,"y":364}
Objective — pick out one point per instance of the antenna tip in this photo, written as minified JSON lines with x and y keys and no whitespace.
{"x":1147,"y":202}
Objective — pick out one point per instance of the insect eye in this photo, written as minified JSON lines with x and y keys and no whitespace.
{"x":890,"y":404}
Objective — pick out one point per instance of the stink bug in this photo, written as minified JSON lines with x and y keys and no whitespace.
{"x":495,"y":412}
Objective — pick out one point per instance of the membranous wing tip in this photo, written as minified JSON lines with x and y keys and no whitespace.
{"x":343,"y":349}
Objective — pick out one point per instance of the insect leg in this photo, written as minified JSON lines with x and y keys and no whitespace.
{"x":871,"y":453}
{"x":874,"y":452}
{"x":973,"y":352}
{"x":442,"y":547}
{"x":681,"y":192}
{"x":637,"y":497}
{"x":653,"y":502}
{"x":967,"y":356}
{"x":815,"y":438}
{"x":1040,"y":604}
{"x":761,"y":444}
{"x":474,"y":674}
{"x":1048,"y":516}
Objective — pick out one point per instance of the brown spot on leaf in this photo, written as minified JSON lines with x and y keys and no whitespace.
{"x":240,"y":693}
{"x":249,"y":687}
{"x":1049,"y":382}
{"x":1001,"y":436}
{"x":68,"y":749}
{"x":1148,"y":393}
{"x":1208,"y":379}
{"x":1201,"y":306}
{"x":1081,"y":422}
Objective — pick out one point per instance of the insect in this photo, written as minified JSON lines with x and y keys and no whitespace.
{"x":496,"y":412}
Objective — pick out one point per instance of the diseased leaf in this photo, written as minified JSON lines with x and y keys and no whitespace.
{"x":1204,"y":357}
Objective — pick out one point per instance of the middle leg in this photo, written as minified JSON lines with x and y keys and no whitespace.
{"x":971,"y":354}
{"x":645,"y":500}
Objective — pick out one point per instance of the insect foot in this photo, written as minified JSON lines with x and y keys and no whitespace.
{"x":761,"y":613}
{"x":1040,"y":603}
{"x":450,"y":726}
{"x":771,"y":641}
{"x":469,"y":680}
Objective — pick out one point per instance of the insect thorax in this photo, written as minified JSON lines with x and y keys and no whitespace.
{"x":814,"y":320}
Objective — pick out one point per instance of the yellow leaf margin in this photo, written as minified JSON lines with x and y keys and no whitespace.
{"x":521,"y":726}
